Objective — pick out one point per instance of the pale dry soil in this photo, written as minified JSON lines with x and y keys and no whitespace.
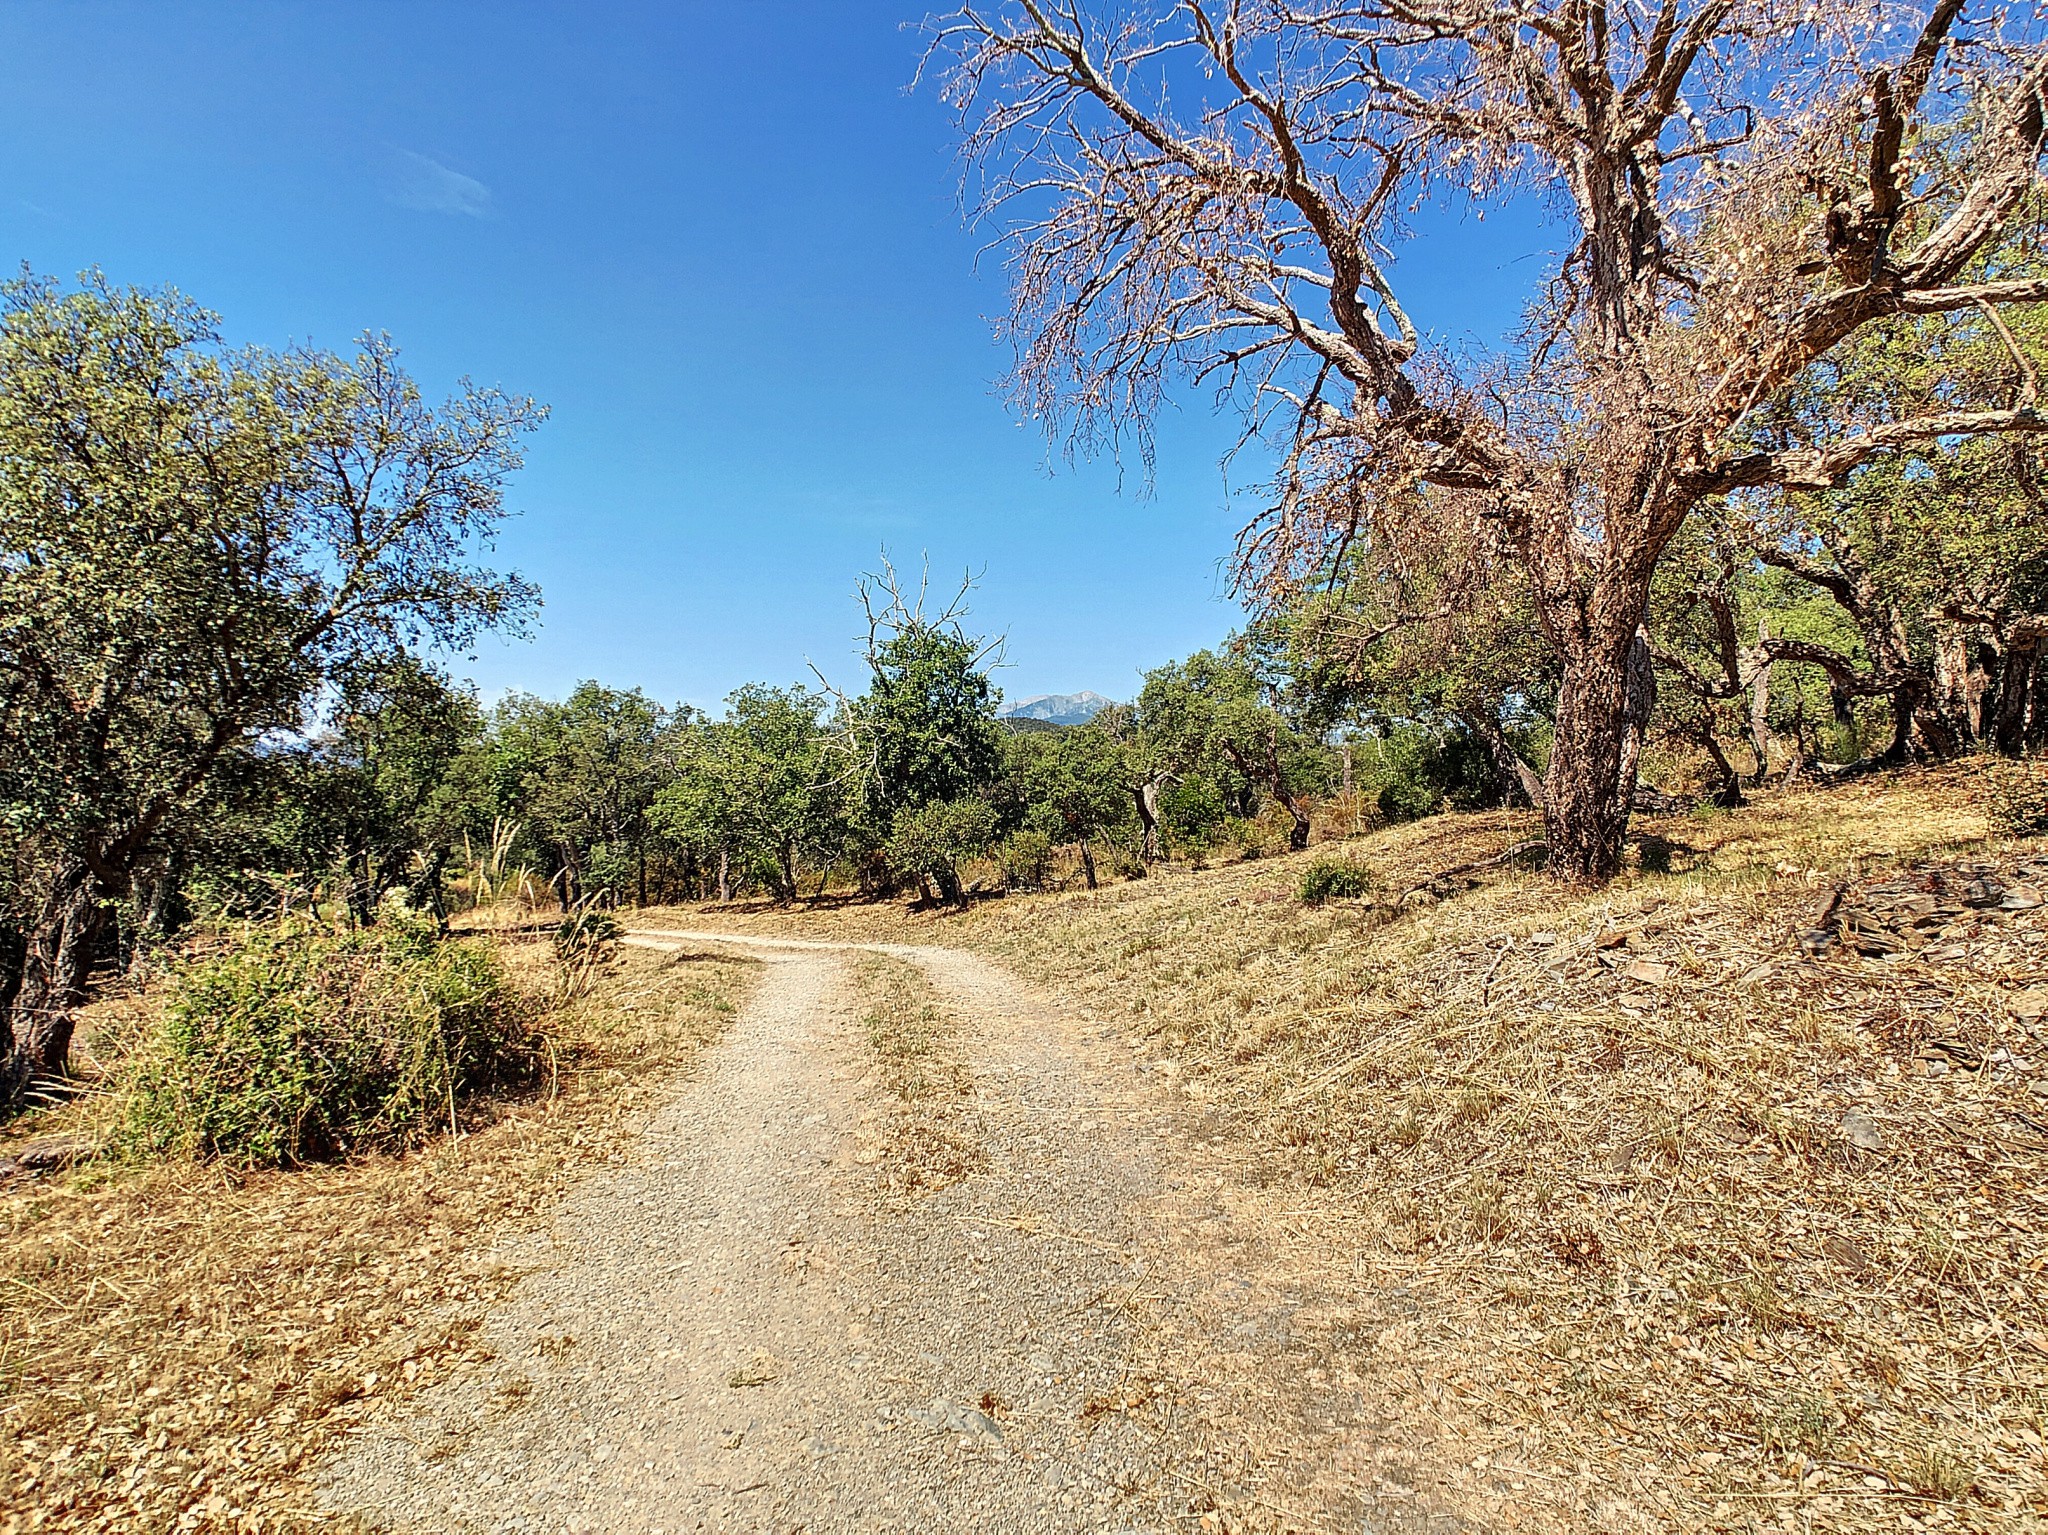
{"x":743,"y":1329}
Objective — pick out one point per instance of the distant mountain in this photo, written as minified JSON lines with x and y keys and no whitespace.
{"x":1059,"y":708}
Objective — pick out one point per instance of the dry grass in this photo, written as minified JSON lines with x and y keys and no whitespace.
{"x":177,"y":1342}
{"x":921,"y":1137}
{"x":1609,"y":1240}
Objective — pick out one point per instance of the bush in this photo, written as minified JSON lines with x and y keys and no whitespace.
{"x":1330,"y":879}
{"x":2019,"y":800}
{"x":298,"y":1044}
{"x":1025,"y":859}
{"x":932,"y":841}
{"x":1192,"y":808}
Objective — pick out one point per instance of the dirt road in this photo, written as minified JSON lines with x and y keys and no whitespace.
{"x":734,"y":1332}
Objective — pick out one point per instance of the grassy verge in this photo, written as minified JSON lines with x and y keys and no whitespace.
{"x":921,"y":1138}
{"x":1654,"y":1213}
{"x":178,"y":1340}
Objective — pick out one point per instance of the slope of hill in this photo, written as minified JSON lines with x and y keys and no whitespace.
{"x":1712,"y":1191}
{"x":1059,"y":708}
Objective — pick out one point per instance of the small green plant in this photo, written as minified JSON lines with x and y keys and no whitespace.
{"x":1936,"y":1471}
{"x":2019,"y":800}
{"x":298,"y":1044}
{"x":1406,"y":1128}
{"x":1329,"y":879}
{"x":1802,"y":1423}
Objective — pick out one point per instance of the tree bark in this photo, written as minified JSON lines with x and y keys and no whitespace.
{"x":1730,"y":794}
{"x":1585,"y":802}
{"x":1297,"y":834}
{"x":1760,"y":709}
{"x":2020,"y":700}
{"x":724,"y":876}
{"x":1087,"y":862}
{"x":1147,"y":796}
{"x":1639,"y":695}
{"x":56,"y":966}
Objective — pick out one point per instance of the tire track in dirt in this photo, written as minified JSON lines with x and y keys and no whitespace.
{"x":733,"y":1332}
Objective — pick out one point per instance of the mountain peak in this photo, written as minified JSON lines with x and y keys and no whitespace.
{"x":1059,"y":708}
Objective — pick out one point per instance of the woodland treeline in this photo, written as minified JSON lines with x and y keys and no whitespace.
{"x":229,"y":573}
{"x":1754,"y":493}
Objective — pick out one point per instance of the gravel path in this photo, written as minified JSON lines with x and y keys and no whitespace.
{"x":736,"y":1332}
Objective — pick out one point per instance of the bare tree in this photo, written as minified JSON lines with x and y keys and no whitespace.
{"x":1215,"y":189}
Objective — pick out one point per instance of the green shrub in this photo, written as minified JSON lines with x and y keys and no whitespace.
{"x":2019,"y":800}
{"x":932,"y":841}
{"x":1025,"y":859}
{"x":297,"y":1044}
{"x":1329,"y":879}
{"x":1412,"y":771}
{"x":1192,"y":808}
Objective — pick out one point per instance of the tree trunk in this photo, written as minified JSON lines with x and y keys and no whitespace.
{"x":2020,"y":702}
{"x":1297,"y":834}
{"x":1147,"y":796}
{"x":1087,"y":863}
{"x":1905,"y":700}
{"x":724,"y":876}
{"x":1760,"y":709}
{"x":1952,"y":682}
{"x":56,"y":965}
{"x":1730,"y":794}
{"x":1640,"y":703}
{"x":1521,"y":778}
{"x":1585,"y":801}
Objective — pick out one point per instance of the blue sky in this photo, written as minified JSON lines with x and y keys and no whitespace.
{"x":720,"y":240}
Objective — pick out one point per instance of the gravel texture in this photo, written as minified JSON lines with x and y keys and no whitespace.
{"x":736,"y":1331}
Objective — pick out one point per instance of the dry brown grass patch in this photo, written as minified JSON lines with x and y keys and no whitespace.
{"x":922,"y":1137}
{"x":1654,"y":1218}
{"x":178,"y":1342}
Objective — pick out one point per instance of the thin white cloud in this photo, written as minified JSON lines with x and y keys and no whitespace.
{"x":428,"y":185}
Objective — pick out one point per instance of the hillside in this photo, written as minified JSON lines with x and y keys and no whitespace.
{"x":1711,"y":1192}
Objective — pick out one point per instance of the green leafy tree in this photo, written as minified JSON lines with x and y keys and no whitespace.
{"x":393,"y":812}
{"x":931,"y":841}
{"x":925,"y":732}
{"x":928,"y":719}
{"x":1070,"y":785}
{"x":192,"y":539}
{"x":1932,"y":556}
{"x":760,"y":784}
{"x":1214,"y":714}
{"x":582,"y":776}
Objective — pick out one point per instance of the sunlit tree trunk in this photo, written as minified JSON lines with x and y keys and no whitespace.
{"x":56,"y":965}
